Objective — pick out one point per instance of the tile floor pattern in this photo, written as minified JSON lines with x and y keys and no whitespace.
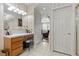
{"x":41,"y":50}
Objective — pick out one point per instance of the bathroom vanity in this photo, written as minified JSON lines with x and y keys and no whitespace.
{"x":14,"y":43}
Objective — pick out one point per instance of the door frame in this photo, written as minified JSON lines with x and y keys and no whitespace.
{"x":76,"y":6}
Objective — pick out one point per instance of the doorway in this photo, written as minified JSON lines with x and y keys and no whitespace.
{"x":42,"y":26}
{"x":45,"y":21}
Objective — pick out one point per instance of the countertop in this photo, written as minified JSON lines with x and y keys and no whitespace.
{"x":17,"y":35}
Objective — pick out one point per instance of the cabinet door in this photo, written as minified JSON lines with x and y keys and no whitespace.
{"x":17,"y":51}
{"x":17,"y":45}
{"x":17,"y":39}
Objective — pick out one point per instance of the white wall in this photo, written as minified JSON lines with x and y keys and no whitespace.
{"x":25,"y":21}
{"x":37,"y":27}
{"x":31,"y":22}
{"x":1,"y":27}
{"x":28,"y":21}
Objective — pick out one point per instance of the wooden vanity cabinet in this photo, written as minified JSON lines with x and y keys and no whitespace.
{"x":14,"y":45}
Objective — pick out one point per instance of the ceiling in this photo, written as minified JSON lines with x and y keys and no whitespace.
{"x":29,"y":7}
{"x":45,"y":9}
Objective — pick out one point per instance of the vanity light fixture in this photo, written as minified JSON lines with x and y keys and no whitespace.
{"x":24,"y":13}
{"x":11,"y":8}
{"x":16,"y":10}
{"x":20,"y":12}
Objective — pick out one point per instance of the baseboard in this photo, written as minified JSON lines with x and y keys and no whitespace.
{"x":61,"y":53}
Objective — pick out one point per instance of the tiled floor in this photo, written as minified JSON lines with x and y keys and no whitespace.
{"x":41,"y":50}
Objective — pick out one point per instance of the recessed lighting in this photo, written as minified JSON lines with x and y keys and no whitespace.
{"x":44,"y":8}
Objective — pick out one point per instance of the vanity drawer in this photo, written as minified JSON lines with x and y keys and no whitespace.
{"x":17,"y":44}
{"x":17,"y":51}
{"x":17,"y":39}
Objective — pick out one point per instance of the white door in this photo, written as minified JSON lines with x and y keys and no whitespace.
{"x":63,"y":30}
